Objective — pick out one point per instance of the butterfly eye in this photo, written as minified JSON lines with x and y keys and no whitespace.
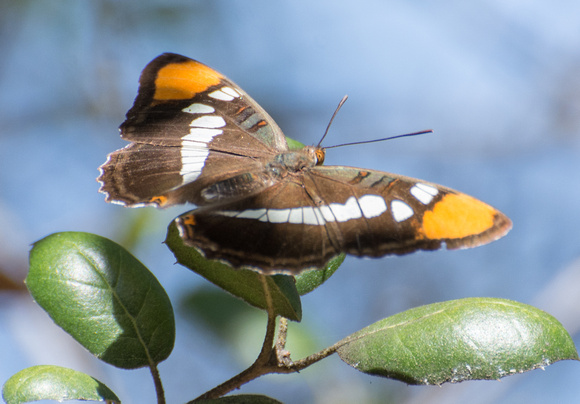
{"x":320,"y":154}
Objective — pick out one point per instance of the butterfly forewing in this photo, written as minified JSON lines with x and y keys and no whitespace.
{"x":416,"y":214}
{"x":190,"y":127}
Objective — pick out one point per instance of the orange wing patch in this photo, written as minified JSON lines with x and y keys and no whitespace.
{"x":160,"y":200}
{"x":189,"y":220}
{"x":457,"y":216}
{"x":181,"y":81}
{"x":186,"y":223}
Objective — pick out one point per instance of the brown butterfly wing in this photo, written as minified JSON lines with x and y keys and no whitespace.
{"x":314,"y":215}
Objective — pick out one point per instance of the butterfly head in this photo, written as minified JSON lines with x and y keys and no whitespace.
{"x":309,"y":156}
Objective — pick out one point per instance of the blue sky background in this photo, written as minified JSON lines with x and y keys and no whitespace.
{"x":499,"y":82}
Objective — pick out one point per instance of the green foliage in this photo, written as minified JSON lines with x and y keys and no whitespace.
{"x":112,"y":304}
{"x":216,"y":312}
{"x":294,"y":144}
{"x":307,"y":281}
{"x":243,"y":283}
{"x":477,"y":338}
{"x":103,"y":297}
{"x":54,"y":383}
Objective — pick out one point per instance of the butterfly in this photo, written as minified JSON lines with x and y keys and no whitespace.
{"x":196,"y":137}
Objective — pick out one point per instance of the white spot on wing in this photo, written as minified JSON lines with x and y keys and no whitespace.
{"x":194,"y":152}
{"x":423,"y":193}
{"x":326,"y":213}
{"x":208,"y":121}
{"x":259,"y":214}
{"x":319,"y":216}
{"x":199,"y":109}
{"x":308,"y":216}
{"x":278,"y":215}
{"x":199,"y":135}
{"x":401,"y":211}
{"x":230,"y":213}
{"x":372,"y":205}
{"x":224,"y":94}
{"x":350,"y":210}
{"x":295,"y":216}
{"x":230,"y":91}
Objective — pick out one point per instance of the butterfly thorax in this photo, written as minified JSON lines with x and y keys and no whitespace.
{"x":296,"y":160}
{"x":250,"y":183}
{"x":246,"y":184}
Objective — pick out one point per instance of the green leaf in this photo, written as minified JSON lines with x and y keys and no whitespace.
{"x":54,"y":383}
{"x":103,"y":297}
{"x":307,"y":281}
{"x":294,"y":144}
{"x":475,"y":338}
{"x":241,"y":399}
{"x":218,"y":312}
{"x":243,"y":283}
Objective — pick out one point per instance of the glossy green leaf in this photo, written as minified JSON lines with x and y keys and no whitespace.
{"x":307,"y":281}
{"x":241,"y":399}
{"x":54,"y":383}
{"x":294,"y":144}
{"x":104,"y":297}
{"x":476,"y":338}
{"x":243,"y":283}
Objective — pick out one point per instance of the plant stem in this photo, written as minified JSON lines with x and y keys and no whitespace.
{"x":261,"y":365}
{"x":282,"y":333}
{"x":266,"y":351}
{"x":272,"y":358}
{"x":282,"y":354}
{"x":158,"y":385}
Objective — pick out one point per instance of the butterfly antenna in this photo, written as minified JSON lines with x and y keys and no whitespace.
{"x":340,"y":104}
{"x":383,"y":139}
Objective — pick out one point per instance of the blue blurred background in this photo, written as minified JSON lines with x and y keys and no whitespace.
{"x":498,"y":81}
